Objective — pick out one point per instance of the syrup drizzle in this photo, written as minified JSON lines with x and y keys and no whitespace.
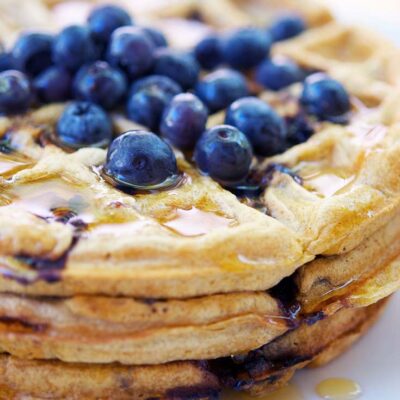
{"x":196,"y":222}
{"x":11,"y":163}
{"x":290,"y":392}
{"x":322,"y":179}
{"x":327,"y":184}
{"x":338,"y":389}
{"x":54,"y":199}
{"x":368,"y":135}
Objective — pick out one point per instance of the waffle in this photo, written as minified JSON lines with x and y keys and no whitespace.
{"x":166,"y":295}
{"x":183,"y":380}
{"x":364,"y":61}
{"x":272,"y":366}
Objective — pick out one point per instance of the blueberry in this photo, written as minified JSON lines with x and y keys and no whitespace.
{"x":104,"y":20}
{"x":15,"y":92}
{"x":84,"y":124}
{"x":32,"y":52}
{"x":260,"y":123}
{"x":246,"y":47}
{"x":180,"y":67}
{"x":325,"y":98}
{"x":156,"y":36}
{"x":220,"y":88}
{"x":132,"y":51}
{"x":53,"y":84}
{"x":73,"y":47}
{"x":141,"y":159}
{"x":148,"y":98}
{"x":224,"y":153}
{"x":6,"y":61}
{"x":208,"y":52}
{"x":184,"y":120}
{"x":100,"y":84}
{"x":278,"y":73}
{"x":299,"y":129}
{"x":287,"y":27}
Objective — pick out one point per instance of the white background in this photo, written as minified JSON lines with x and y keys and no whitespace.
{"x":380,"y":15}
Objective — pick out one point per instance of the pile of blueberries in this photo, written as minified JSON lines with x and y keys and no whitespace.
{"x":111,"y":63}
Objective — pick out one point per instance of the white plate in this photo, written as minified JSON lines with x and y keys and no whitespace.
{"x":373,"y":362}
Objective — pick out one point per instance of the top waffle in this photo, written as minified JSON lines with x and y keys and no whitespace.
{"x":65,"y":230}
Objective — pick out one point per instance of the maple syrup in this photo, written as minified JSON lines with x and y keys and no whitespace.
{"x":327,"y":184}
{"x":290,"y":392}
{"x":169,"y":183}
{"x":338,"y":389}
{"x":368,"y":135}
{"x":53,"y":199}
{"x":196,"y":222}
{"x":324,"y":180}
{"x":10,"y":164}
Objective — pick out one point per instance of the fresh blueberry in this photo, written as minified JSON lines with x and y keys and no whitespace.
{"x":325,"y":98}
{"x":104,"y":20}
{"x":246,"y":47}
{"x":287,"y":27}
{"x":6,"y":61}
{"x":299,"y":129}
{"x":224,"y":153}
{"x":184,"y":120}
{"x":141,"y":159}
{"x":73,"y":47}
{"x":156,"y":36}
{"x":148,"y":98}
{"x":208,"y":52}
{"x":15,"y":92}
{"x":260,"y":123}
{"x":53,"y":84}
{"x":132,"y":51}
{"x":220,"y":88}
{"x":100,"y":84}
{"x":180,"y":67}
{"x":278,"y":73}
{"x":32,"y":52}
{"x":84,"y":124}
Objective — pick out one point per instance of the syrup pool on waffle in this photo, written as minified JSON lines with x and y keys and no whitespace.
{"x":12,"y":163}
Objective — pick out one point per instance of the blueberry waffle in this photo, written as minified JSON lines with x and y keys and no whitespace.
{"x":180,"y":219}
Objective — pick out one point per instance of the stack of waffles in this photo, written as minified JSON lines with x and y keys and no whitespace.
{"x":182,"y":293}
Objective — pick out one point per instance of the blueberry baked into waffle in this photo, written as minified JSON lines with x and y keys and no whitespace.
{"x":179,"y":216}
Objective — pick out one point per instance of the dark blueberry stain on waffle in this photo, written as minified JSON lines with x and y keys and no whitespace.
{"x":32,"y":269}
{"x":6,"y":145}
{"x":274,"y":168}
{"x":195,"y":15}
{"x":193,"y":393}
{"x":286,"y":293}
{"x":299,"y":129}
{"x":23,"y":324}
